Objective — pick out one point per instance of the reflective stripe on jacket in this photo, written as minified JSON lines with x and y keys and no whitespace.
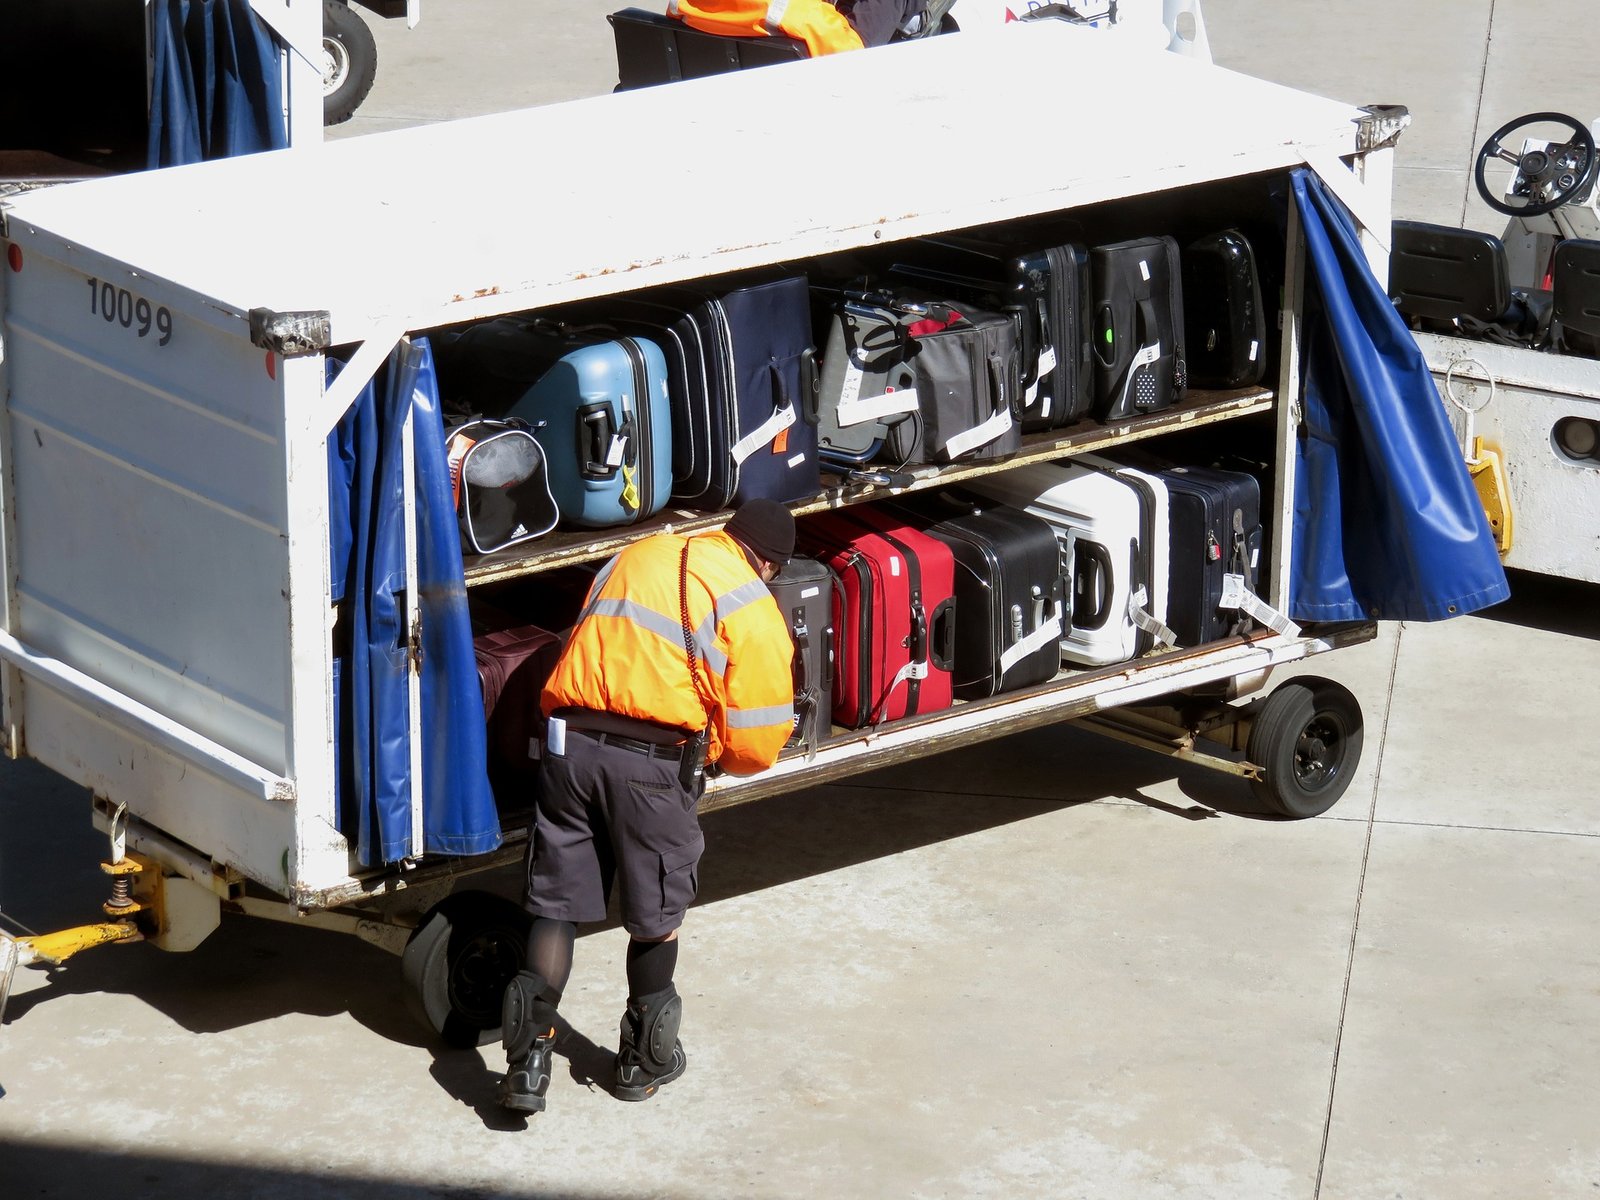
{"x":817,"y":23}
{"x":626,"y":654}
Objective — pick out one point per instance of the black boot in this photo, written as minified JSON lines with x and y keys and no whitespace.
{"x":528,"y":1025}
{"x":650,"y":1054}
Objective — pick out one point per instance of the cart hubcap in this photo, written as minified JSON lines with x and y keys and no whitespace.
{"x":1317,"y":753}
{"x":480,"y":974}
{"x":335,"y":64}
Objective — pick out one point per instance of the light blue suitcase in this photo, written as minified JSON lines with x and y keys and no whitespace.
{"x":597,"y":402}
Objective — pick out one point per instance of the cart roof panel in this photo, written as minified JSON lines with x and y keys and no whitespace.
{"x":447,"y":222}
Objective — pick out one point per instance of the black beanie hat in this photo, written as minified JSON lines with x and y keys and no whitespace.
{"x":766,"y":527}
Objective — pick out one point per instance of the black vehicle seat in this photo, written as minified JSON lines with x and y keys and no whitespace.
{"x":1448,"y":280}
{"x":1575,"y":291}
{"x":653,"y":48}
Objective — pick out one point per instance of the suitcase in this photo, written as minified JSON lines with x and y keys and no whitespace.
{"x":596,"y":402}
{"x":893,"y":615}
{"x":1106,"y":526}
{"x":1011,"y":591}
{"x":1225,"y":326}
{"x":1045,"y":290}
{"x":1215,"y":525}
{"x":966,"y":368}
{"x":1137,"y":327}
{"x":513,"y":664}
{"x":803,"y":589}
{"x":742,"y":382}
{"x":866,"y":384}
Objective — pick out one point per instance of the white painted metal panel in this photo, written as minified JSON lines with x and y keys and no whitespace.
{"x":1555,"y":501}
{"x":510,"y":211}
{"x":152,"y":555}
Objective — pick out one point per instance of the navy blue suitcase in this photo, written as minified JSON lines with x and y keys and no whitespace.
{"x":741,"y":372}
{"x":1215,"y":522}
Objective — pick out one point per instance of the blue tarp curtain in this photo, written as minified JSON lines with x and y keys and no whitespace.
{"x":1388,"y":524}
{"x":367,"y":525}
{"x":216,"y":88}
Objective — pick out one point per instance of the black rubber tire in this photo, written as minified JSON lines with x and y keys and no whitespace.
{"x":351,"y":55}
{"x":456,"y":966}
{"x":1307,"y":738}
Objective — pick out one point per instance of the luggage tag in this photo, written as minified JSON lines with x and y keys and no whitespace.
{"x":1142,"y":617}
{"x":1236,"y":595}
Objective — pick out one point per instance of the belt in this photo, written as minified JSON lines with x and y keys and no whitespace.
{"x":635,"y":745}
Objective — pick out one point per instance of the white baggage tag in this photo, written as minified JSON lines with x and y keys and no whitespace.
{"x":1047,"y":360}
{"x":617,"y":449}
{"x":1145,"y":620}
{"x":1236,"y":595}
{"x":555,"y":736}
{"x":1046,"y":634}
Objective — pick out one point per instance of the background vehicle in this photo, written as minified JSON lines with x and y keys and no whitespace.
{"x":1509,"y":326}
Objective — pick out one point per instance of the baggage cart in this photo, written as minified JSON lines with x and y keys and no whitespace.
{"x":170,"y":372}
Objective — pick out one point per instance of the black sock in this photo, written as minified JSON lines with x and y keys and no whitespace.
{"x":650,"y":967}
{"x":550,"y":946}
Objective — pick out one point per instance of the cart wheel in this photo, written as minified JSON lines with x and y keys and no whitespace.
{"x":456,"y":966}
{"x":1307,"y":739}
{"x":349,"y":62}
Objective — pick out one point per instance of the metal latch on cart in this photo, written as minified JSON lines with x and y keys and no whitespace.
{"x":291,"y":334}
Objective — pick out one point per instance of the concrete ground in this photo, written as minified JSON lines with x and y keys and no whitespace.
{"x":1049,"y":966}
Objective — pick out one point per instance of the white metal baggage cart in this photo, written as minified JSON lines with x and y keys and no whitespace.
{"x":166,"y":626}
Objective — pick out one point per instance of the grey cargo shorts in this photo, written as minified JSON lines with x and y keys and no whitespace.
{"x":609,"y":814}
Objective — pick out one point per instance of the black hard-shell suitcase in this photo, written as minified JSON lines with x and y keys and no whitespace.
{"x":1011,"y":590}
{"x":741,"y":377}
{"x":1225,"y":323}
{"x":1215,"y":524}
{"x":1137,"y":327}
{"x":1045,"y":289}
{"x":804,"y":589}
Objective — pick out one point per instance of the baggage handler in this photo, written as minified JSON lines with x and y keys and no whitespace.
{"x":634,"y":721}
{"x":824,"y":27}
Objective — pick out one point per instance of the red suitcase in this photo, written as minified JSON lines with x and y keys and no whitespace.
{"x":894,"y":615}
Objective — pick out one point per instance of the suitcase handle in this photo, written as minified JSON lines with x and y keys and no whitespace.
{"x":596,"y":429}
{"x":1091,"y":596}
{"x":810,"y":387}
{"x":942,"y":652}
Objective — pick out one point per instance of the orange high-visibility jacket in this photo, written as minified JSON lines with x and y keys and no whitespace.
{"x":626,"y":654}
{"x":817,"y":23}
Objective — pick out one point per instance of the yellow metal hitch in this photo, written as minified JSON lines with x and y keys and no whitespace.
{"x":56,"y":948}
{"x":1489,"y":477}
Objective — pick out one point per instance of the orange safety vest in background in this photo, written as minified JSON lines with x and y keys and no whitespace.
{"x":626,"y":654}
{"x":817,"y":23}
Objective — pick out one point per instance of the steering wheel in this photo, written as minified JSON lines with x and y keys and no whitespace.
{"x":1548,"y":176}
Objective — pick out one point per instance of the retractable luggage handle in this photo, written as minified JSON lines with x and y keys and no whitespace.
{"x":597,"y":431}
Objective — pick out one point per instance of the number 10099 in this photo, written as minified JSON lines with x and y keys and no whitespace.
{"x":119,"y":306}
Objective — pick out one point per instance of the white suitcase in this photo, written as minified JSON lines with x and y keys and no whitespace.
{"x":1110,"y":539}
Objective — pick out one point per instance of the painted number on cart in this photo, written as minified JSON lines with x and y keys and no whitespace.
{"x":119,"y":306}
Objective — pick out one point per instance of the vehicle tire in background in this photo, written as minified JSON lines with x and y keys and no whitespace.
{"x":349,"y":61}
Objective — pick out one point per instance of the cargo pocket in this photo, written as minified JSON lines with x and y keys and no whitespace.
{"x":680,"y":876}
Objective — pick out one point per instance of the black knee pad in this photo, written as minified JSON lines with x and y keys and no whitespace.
{"x":527,"y":1012}
{"x":659,"y":1015}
